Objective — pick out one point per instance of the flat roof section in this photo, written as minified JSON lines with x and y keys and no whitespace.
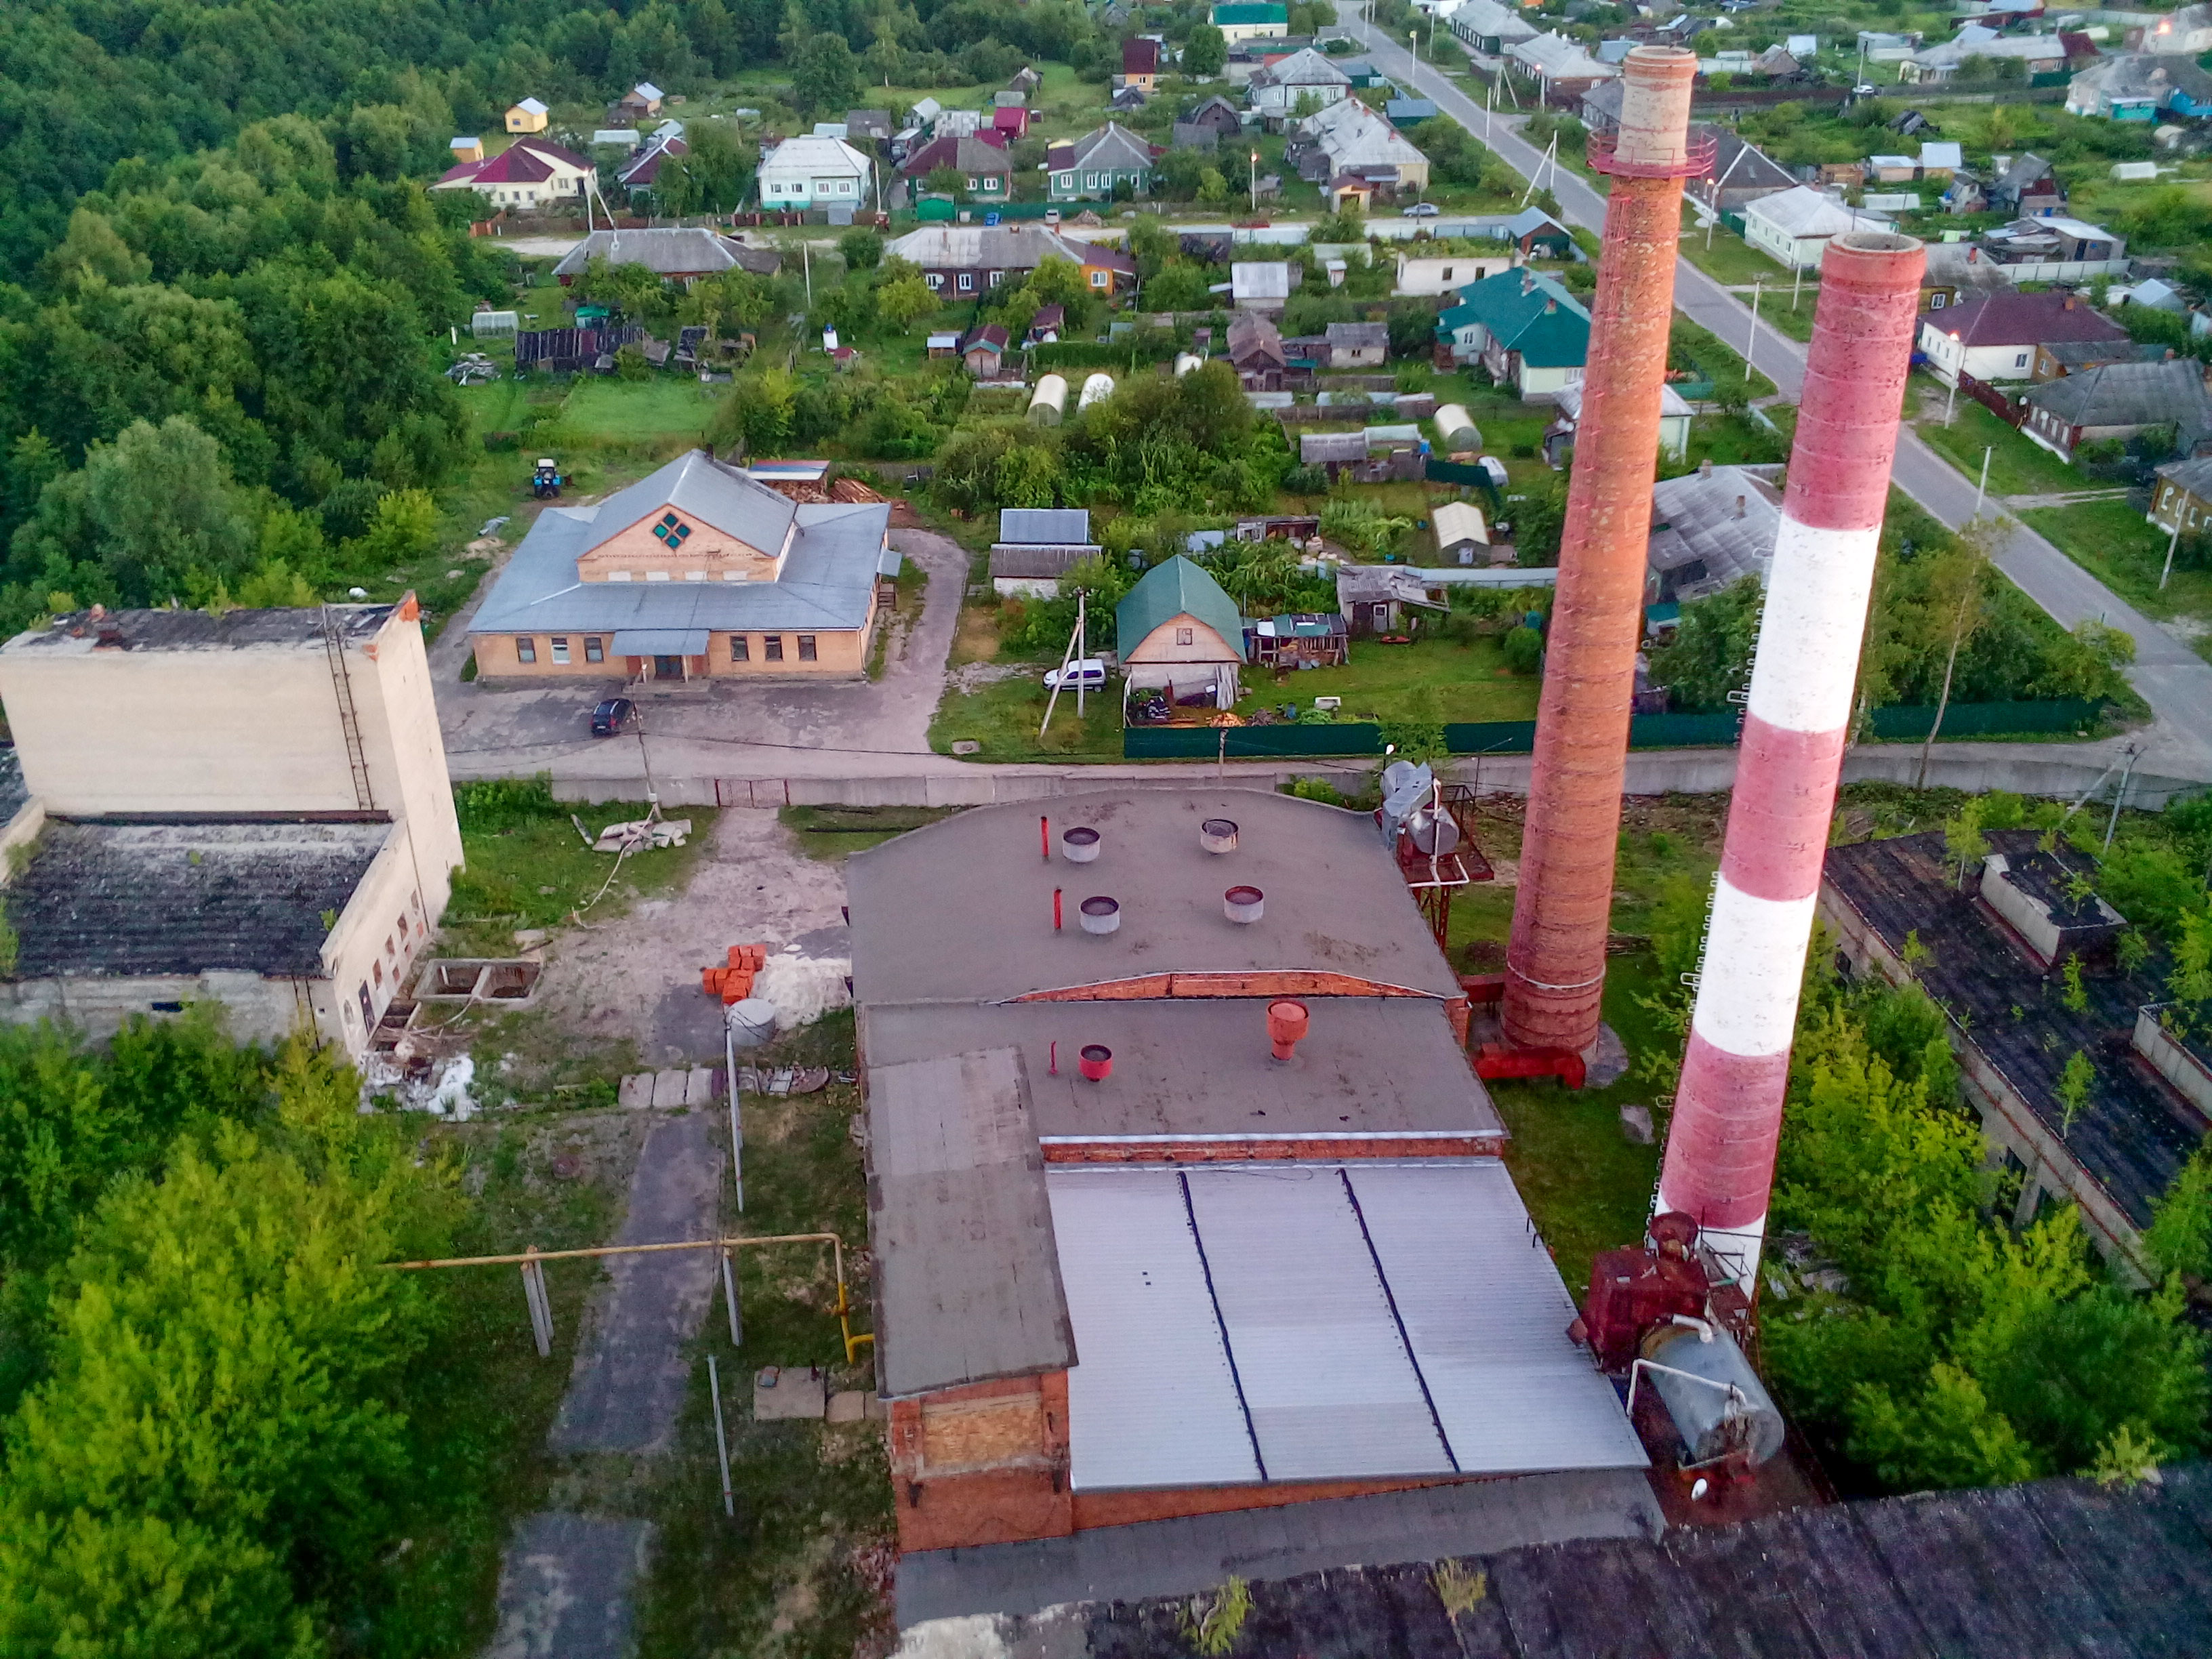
{"x":1377,"y":1320}
{"x":104,"y":898}
{"x":1201,"y":1066}
{"x":961,"y":911}
{"x":967,"y":1273}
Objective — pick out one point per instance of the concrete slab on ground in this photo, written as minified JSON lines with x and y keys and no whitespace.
{"x":629,"y":1384}
{"x":790,"y":1393}
{"x":564,"y":1589}
{"x":1178,"y":1558}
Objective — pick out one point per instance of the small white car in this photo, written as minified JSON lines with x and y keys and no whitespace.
{"x":1420,"y":211}
{"x":1090,"y":674}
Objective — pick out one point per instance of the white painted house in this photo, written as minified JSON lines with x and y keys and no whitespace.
{"x":808,"y":172}
{"x":1793,"y":225}
{"x":1420,"y":276}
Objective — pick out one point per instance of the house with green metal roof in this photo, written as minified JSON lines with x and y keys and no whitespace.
{"x":1523,"y":327}
{"x":1246,"y":21}
{"x":1178,"y":630}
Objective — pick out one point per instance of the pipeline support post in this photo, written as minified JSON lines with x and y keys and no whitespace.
{"x":1555,"y":963}
{"x":1728,"y":1108}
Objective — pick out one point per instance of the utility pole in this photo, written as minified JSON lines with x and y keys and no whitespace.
{"x":1489,"y":105}
{"x":1951,"y":402}
{"x":1082,"y":648}
{"x":1982,"y":489}
{"x":1796,"y":288}
{"x":1255,"y":184}
{"x":2172,"y":543}
{"x":1757,"y":286}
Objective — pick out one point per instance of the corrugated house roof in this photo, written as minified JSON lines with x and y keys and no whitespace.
{"x":1802,"y":211}
{"x":1176,"y":587}
{"x":1528,"y":313}
{"x":669,"y":251}
{"x":1319,"y":448}
{"x":2169,"y":391}
{"x":1250,"y":334}
{"x":1359,"y":336}
{"x":1037,"y":561}
{"x":2013,"y":318}
{"x":968,"y":1284}
{"x":1383,"y":584}
{"x":2194,"y":476}
{"x":1056,"y":525}
{"x":1258,"y":279}
{"x":1711,"y":529}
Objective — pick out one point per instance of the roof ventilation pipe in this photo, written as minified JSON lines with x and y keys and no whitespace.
{"x":1286,"y":1026}
{"x":1218,"y":835}
{"x":1243,"y":904}
{"x":1095,"y":1062}
{"x":1079,"y":845}
{"x":1100,"y":915}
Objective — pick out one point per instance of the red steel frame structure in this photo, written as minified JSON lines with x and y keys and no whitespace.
{"x":1728,"y":1110}
{"x":1555,"y":963}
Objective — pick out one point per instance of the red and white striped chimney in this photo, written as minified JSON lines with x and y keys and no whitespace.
{"x":1728,"y":1110}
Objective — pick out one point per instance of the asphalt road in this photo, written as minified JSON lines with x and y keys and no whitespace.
{"x":2173,"y":678}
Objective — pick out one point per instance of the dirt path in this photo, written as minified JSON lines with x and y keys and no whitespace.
{"x":638,"y":975}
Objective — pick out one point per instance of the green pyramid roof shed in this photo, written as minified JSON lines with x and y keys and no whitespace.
{"x":1170,"y":590}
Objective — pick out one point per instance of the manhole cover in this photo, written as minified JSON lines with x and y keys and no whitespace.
{"x":966,"y":746}
{"x":567,"y":1166}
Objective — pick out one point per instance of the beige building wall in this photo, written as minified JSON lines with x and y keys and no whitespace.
{"x":251,"y":729}
{"x":705,"y":555}
{"x":255,"y":1009}
{"x":838,"y":653}
{"x":371,"y":951}
{"x":1167,"y":643}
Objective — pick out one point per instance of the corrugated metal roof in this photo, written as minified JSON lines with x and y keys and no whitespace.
{"x":1368,"y":1320}
{"x":967,"y":1273}
{"x":1487,"y":1316}
{"x":1155,"y":1402}
{"x":1052,"y":526}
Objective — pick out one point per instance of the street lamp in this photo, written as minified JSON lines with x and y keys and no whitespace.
{"x":1413,"y":34}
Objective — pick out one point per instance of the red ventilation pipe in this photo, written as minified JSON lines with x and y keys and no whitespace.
{"x":1286,"y":1024}
{"x":1555,"y":964}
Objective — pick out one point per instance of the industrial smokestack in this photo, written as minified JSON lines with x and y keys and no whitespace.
{"x":1555,"y":964}
{"x":1728,"y":1110}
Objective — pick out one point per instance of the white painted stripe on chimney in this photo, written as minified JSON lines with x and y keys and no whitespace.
{"x":1754,"y":963}
{"x":1807,"y":662}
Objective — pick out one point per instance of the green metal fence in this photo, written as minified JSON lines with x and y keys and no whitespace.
{"x":1961,"y":719}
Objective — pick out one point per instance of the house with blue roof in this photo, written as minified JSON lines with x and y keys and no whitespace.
{"x":698,"y":571}
{"x":1523,"y":327}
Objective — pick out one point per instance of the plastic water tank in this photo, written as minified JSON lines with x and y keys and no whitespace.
{"x":751,"y":1022}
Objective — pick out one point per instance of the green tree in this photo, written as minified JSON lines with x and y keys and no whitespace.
{"x":1963,"y":841}
{"x":758,"y":412}
{"x":2179,"y":1238}
{"x":860,"y":250}
{"x":1205,"y":53}
{"x":905,"y":301}
{"x":404,"y":528}
{"x":1710,"y":654}
{"x":715,"y":175}
{"x":824,"y":74}
{"x":147,"y":517}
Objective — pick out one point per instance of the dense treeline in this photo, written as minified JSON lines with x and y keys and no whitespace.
{"x":208,"y":1388}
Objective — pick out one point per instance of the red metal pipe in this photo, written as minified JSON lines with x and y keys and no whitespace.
{"x":1555,"y":963}
{"x":1044,"y":837}
{"x":1728,"y":1108}
{"x":1055,"y":909}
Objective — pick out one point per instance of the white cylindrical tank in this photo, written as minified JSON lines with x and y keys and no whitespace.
{"x":1049,"y":402}
{"x":1185,"y":362}
{"x":1097,"y":387}
{"x":1456,"y":434}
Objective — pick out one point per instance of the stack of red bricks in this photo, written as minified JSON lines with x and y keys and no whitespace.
{"x":734,"y":983}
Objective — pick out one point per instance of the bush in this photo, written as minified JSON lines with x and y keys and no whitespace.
{"x":1523,"y":649}
{"x":492,"y":805}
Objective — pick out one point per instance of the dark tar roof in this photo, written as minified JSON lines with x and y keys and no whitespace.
{"x":199,"y":631}
{"x":2133,"y":1134}
{"x":2050,"y":1571}
{"x":1201,"y":1066}
{"x":961,"y":1225}
{"x":117,"y":899}
{"x":962,"y":911}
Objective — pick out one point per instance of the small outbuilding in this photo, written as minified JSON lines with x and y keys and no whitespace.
{"x":1385,"y":600}
{"x":1178,"y":629}
{"x":1461,"y":536}
{"x":983,"y":351}
{"x":1037,"y":546}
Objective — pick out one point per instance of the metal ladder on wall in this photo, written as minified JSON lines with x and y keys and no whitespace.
{"x":341,"y":683}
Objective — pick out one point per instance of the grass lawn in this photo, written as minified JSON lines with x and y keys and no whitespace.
{"x":1729,"y":440}
{"x":1714,"y":355}
{"x":531,"y":870}
{"x":2017,"y":466}
{"x":1432,"y":680}
{"x":2112,"y":542}
{"x":1004,"y":717}
{"x":1730,"y":259}
{"x":659,"y":407}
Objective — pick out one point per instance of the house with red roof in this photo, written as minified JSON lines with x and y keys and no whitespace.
{"x":531,"y":172}
{"x":980,"y":159}
{"x":1141,"y":61}
{"x":1996,"y":336}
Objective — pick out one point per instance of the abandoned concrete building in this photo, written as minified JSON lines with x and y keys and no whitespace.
{"x":250,"y":809}
{"x":1185,"y":1200}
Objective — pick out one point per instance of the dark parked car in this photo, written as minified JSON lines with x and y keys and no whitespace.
{"x":612,"y":717}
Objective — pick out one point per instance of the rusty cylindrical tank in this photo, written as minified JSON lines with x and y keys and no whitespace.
{"x":1555,"y":964}
{"x":1728,"y":1108}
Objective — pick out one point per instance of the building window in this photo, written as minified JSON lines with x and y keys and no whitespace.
{"x":740,"y":648}
{"x":560,"y":648}
{"x":1064,"y":181}
{"x":656,"y":575}
{"x":2021,"y":362}
{"x":967,"y":280}
{"x":595,"y":648}
{"x":1183,"y":636}
{"x":934,"y":278}
{"x":1935,"y":302}
{"x":619,"y":576}
{"x":376,"y":974}
{"x":997,"y":276}
{"x":525,"y":649}
{"x":990,"y":184}
{"x":672,"y":530}
{"x":772,"y":647}
{"x":1100,"y":278}
{"x":806,"y":647}
{"x":695,"y":575}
